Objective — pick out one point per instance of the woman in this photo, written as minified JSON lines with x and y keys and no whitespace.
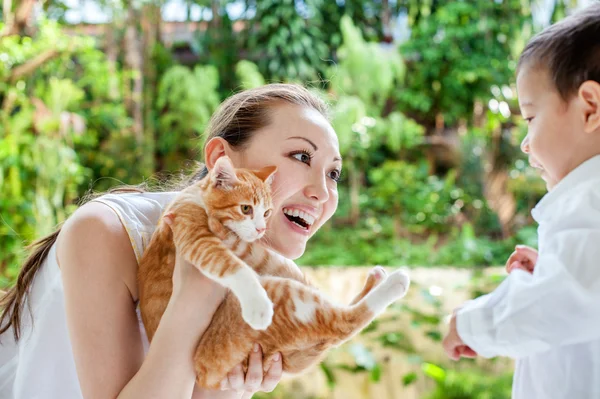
{"x":87,"y":340}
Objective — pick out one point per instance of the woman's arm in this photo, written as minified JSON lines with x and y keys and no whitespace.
{"x":99,"y":276}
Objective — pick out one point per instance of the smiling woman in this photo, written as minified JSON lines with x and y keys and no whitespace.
{"x":302,"y":144}
{"x":80,"y":284}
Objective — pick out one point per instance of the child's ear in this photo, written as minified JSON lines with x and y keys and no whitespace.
{"x":266,"y":174}
{"x":589,"y":92}
{"x":223,"y":173}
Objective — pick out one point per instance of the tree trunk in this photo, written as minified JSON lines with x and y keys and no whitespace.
{"x":495,"y":180}
{"x":355,"y":184}
{"x":112,"y":54}
{"x":386,"y":19}
{"x":134,"y":62}
{"x":495,"y":187}
{"x":151,"y":20}
{"x":215,"y":6}
{"x":17,"y":23}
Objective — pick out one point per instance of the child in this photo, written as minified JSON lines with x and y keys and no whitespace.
{"x":546,"y":313}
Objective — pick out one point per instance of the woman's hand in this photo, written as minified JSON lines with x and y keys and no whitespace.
{"x":261,"y":375}
{"x":523,"y":258}
{"x":191,"y":288}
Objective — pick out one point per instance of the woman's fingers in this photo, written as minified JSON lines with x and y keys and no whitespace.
{"x":274,"y":370}
{"x":254,"y":375}
{"x":261,"y":375}
{"x":236,"y":378}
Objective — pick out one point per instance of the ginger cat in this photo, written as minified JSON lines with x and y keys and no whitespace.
{"x":214,"y":224}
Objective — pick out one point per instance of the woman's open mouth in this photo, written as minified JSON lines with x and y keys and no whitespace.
{"x":299,"y":218}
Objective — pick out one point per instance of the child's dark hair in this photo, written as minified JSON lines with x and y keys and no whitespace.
{"x":569,"y":50}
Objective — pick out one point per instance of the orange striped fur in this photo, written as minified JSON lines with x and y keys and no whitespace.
{"x":206,"y":224}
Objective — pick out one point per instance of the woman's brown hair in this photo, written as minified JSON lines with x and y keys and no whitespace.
{"x":236,"y":121}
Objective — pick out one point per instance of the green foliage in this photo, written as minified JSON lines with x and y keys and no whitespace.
{"x":219,"y":47}
{"x":248,"y":75}
{"x":285,"y":45}
{"x":426,"y":203}
{"x":457,"y":51}
{"x":186,"y":100}
{"x":374,"y":242}
{"x":467,"y":384}
{"x":365,"y":15}
{"x":365,"y":70}
{"x":39,"y":170}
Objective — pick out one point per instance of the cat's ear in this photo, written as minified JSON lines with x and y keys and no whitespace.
{"x":223,"y":173}
{"x":266,"y":174}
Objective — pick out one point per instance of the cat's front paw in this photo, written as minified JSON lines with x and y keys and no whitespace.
{"x":257,"y":311}
{"x":397,"y":284}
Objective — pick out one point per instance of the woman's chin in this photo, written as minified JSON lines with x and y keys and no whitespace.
{"x":288,"y":250}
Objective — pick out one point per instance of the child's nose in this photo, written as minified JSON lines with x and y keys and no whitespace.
{"x":525,"y":145}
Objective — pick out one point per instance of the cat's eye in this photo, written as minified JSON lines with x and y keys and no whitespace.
{"x":267,"y":213}
{"x":246,"y":209}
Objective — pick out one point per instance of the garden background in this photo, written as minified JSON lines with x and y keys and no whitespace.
{"x":97,"y":93}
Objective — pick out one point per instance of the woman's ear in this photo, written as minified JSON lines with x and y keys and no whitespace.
{"x":589,"y":93}
{"x":216,"y":148}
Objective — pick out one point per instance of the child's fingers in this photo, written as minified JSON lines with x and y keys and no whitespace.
{"x":514,"y":265}
{"x":465,"y":351}
{"x":529,"y":253}
{"x":455,"y":355}
{"x":511,"y":259}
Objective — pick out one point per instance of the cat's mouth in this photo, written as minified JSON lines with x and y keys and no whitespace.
{"x":298,"y":217}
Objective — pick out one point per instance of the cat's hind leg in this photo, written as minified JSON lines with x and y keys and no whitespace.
{"x":306,"y":324}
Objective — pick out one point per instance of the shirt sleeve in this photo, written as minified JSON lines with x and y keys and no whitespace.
{"x":559,"y":304}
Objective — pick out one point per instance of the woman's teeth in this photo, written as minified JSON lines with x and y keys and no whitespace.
{"x":299,"y":217}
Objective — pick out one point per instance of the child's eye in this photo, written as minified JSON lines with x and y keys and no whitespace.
{"x":303,"y":156}
{"x":528,"y":120}
{"x":246,"y":209}
{"x":335,"y":175}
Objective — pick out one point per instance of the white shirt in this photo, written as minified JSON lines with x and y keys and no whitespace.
{"x":549,"y":321}
{"x":41,"y":364}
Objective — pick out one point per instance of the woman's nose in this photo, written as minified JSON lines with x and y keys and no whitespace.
{"x":525,"y":145}
{"x":317,"y":190}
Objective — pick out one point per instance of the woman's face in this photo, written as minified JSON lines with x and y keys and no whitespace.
{"x":305,"y":149}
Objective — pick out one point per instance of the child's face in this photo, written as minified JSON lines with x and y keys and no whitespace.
{"x":555,"y":135}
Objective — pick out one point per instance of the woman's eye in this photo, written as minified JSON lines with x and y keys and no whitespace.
{"x":246,"y":209}
{"x":267,"y":213}
{"x":529,"y":119}
{"x":335,"y":175}
{"x":302,"y":157}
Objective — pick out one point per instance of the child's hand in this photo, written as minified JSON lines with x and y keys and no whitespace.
{"x":454,"y":346}
{"x":523,"y":258}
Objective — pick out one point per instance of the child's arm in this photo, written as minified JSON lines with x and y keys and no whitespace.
{"x":559,"y":304}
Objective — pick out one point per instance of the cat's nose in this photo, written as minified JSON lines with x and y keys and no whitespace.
{"x":260,"y":230}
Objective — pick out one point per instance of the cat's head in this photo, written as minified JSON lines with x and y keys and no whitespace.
{"x":240,"y":198}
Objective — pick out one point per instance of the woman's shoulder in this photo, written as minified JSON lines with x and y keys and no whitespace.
{"x":139,"y":213}
{"x":92,"y":242}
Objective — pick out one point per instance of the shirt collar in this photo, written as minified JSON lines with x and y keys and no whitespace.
{"x":589,"y":169}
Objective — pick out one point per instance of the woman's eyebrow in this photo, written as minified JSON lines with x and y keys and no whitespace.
{"x":335,"y":159}
{"x":305,"y":139}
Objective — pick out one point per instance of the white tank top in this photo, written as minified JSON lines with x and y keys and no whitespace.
{"x":41,"y":364}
